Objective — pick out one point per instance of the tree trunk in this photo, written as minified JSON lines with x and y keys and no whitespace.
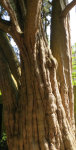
{"x":61,"y":49}
{"x":39,"y":115}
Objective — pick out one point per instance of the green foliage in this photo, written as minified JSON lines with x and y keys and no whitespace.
{"x":74,"y":64}
{"x":3,"y":142}
{"x":46,"y":8}
{"x":46,"y":15}
{"x":0,"y":92}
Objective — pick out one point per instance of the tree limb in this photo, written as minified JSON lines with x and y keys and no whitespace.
{"x":10,"y":56}
{"x":12,"y":14}
{"x":21,"y":12}
{"x":67,"y":9}
{"x":8,"y":28}
{"x":22,"y":6}
{"x":5,"y":25}
{"x":6,"y":80}
{"x":50,"y":2}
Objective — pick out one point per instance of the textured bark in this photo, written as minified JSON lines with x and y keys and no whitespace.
{"x":40,"y":114}
{"x":61,"y":49}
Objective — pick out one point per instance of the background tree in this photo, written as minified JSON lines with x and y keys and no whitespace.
{"x":37,"y":92}
{"x":74,"y":64}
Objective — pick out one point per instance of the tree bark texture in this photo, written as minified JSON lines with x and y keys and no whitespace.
{"x":39,"y":113}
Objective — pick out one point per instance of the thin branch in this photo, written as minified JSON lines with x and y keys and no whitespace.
{"x":2,"y":12}
{"x":12,"y":14}
{"x":50,"y":2}
{"x":67,"y":9}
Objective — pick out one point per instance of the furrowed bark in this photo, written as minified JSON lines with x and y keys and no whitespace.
{"x":9,"y":96}
{"x":43,"y":118}
{"x":65,"y":54}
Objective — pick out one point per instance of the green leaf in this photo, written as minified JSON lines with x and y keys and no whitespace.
{"x":0,"y":92}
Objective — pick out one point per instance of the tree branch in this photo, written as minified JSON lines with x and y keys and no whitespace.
{"x":50,"y":2}
{"x":6,"y":81}
{"x":12,"y":14}
{"x":67,"y":9}
{"x":8,"y":28}
{"x":5,"y":25}
{"x":21,"y":12}
{"x":8,"y":52}
{"x":22,"y":6}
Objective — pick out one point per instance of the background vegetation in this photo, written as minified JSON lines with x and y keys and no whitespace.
{"x":74,"y":64}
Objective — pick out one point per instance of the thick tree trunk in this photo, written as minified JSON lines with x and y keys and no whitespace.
{"x":39,"y":114}
{"x":61,"y":49}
